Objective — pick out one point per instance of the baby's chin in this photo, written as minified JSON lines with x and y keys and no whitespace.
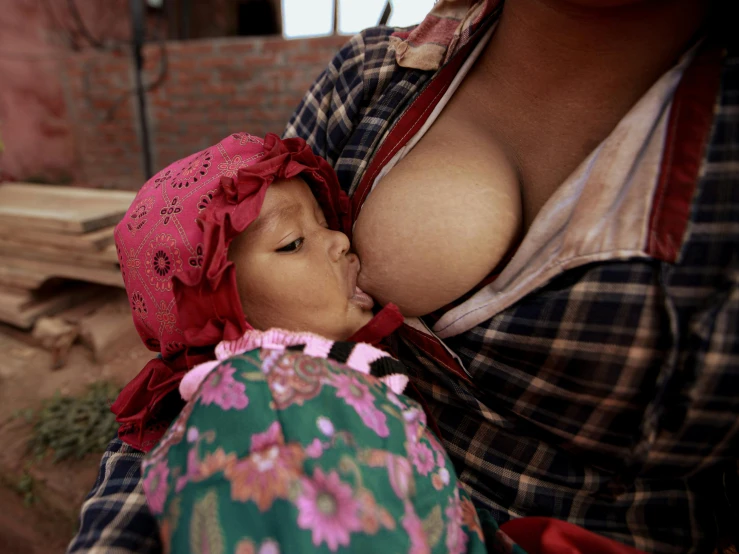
{"x":358,"y":319}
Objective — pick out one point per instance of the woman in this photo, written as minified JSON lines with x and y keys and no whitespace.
{"x":592,"y":379}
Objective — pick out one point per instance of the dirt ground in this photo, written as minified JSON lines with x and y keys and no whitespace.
{"x":26,"y":380}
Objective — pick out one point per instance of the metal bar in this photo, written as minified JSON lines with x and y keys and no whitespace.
{"x":138,"y":32}
{"x":386,"y":13}
{"x":336,"y":17}
{"x":186,"y":19}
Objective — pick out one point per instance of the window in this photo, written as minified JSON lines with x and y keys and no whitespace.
{"x":307,"y":18}
{"x":303,"y":18}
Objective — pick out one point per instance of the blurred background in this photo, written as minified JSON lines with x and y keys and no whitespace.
{"x":95,"y":97}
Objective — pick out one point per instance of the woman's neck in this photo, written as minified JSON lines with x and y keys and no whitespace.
{"x":608,"y":55}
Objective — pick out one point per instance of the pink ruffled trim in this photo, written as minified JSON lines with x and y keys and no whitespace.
{"x":275,"y":339}
{"x":279,"y":339}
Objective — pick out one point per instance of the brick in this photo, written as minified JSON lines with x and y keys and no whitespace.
{"x":280,"y":73}
{"x":202,"y":47}
{"x":237,"y":74}
{"x":284,"y":45}
{"x":239,"y":47}
{"x":260,"y":87}
{"x":227,"y":89}
{"x":309,"y":58}
{"x":283,"y":100}
{"x":260,"y":60}
{"x":160,"y":102}
{"x":167,"y":126}
{"x":246,"y":101}
{"x":190,"y":77}
{"x":214,"y":87}
{"x":213,"y":62}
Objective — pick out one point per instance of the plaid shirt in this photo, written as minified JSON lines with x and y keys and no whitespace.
{"x":115,"y":518}
{"x":607,"y":397}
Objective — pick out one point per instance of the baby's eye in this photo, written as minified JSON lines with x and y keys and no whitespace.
{"x":293,"y":246}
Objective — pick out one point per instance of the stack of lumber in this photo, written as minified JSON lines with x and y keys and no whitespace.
{"x":102,"y":323}
{"x":55,"y":241}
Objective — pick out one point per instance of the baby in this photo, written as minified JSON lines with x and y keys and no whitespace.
{"x":295,"y":437}
{"x":182,"y":240}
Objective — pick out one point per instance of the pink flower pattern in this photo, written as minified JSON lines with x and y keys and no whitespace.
{"x":456,"y":538}
{"x":269,"y":547}
{"x":162,"y":261}
{"x":314,"y":449}
{"x":270,"y":437}
{"x":269,"y":470}
{"x":400,"y":473}
{"x":330,"y":501}
{"x":191,"y":470}
{"x":327,"y":508}
{"x":193,"y":171}
{"x":422,"y":457}
{"x":414,"y":527}
{"x":138,"y":215}
{"x":359,"y":397}
{"x":222,"y":389}
{"x":155,"y":486}
{"x":139,"y":305}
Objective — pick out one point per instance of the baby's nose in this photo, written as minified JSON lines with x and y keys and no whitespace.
{"x":338,"y":245}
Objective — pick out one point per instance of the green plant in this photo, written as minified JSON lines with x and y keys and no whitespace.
{"x":72,"y":427}
{"x":25,"y":487}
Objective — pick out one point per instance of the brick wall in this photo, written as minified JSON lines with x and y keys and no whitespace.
{"x":36,"y":130}
{"x":212,"y":87}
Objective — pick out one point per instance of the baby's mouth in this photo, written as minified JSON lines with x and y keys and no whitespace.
{"x":362,"y":299}
{"x":356,"y":295}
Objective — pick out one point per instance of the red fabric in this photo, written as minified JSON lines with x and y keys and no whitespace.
{"x":136,"y":404}
{"x":198,"y":205}
{"x":544,"y":535}
{"x":431,"y":346}
{"x":691,"y":118}
{"x":444,"y":31}
{"x":387,"y":321}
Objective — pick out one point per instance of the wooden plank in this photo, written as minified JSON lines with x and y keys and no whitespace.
{"x":61,"y":208}
{"x":14,"y":299}
{"x":41,"y":304}
{"x":106,"y":258}
{"x":109,"y":330}
{"x":57,"y":336}
{"x":22,"y":278}
{"x":79,"y":311}
{"x":93,"y":241}
{"x":38,"y":272}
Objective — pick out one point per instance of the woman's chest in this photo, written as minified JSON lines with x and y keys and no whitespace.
{"x":488,"y":131}
{"x":441,"y":219}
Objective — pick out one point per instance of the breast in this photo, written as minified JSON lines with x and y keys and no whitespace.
{"x":440,"y":221}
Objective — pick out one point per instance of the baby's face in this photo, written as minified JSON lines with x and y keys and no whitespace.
{"x":293,"y":272}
